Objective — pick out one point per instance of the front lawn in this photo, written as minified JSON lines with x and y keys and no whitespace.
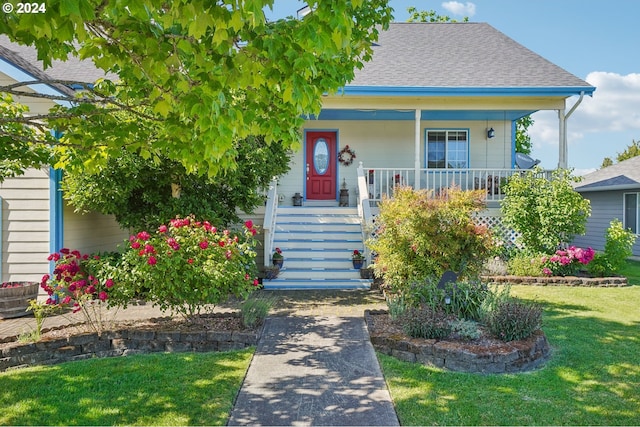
{"x":593,"y":377}
{"x":154,"y":389}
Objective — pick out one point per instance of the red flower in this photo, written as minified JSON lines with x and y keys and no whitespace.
{"x":190,"y":261}
{"x":103,"y":296}
{"x":135,"y":245}
{"x":221,"y":243}
{"x":162,"y":228}
{"x":248,"y":224}
{"x":143,"y":235}
{"x":255,"y":282}
{"x":228,"y":255}
{"x":108,"y":283}
{"x":152,"y":260}
{"x":204,"y":244}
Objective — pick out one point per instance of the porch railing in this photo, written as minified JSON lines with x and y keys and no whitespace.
{"x":382,"y":181}
{"x":364,"y":210}
{"x":269,"y":225}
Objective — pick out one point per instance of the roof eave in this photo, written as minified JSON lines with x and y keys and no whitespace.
{"x":553,"y":91}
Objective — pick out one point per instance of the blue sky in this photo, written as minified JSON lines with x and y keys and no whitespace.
{"x":596,"y":40}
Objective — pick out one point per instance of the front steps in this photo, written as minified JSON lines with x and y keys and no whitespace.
{"x":317,"y":243}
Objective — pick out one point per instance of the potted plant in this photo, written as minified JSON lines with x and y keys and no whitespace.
{"x":366,"y":272}
{"x":15,"y":296}
{"x":277,"y":258}
{"x":271,"y":272}
{"x":358,"y":259}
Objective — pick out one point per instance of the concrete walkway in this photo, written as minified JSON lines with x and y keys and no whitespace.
{"x":314,"y":370}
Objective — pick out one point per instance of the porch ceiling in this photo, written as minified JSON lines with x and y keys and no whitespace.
{"x":409,"y":115}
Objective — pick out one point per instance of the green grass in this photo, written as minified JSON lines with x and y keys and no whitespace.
{"x":593,"y":377}
{"x":632,"y":272}
{"x":155,"y":389}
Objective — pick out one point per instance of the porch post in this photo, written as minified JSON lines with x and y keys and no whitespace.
{"x":417,"y":149}
{"x":562,"y":146}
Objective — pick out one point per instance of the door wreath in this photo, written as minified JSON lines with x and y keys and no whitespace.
{"x":346,"y":156}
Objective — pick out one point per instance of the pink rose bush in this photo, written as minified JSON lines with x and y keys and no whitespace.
{"x":188,"y":264}
{"x":567,"y":262}
{"x":74,"y":284}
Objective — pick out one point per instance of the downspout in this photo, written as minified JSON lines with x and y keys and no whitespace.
{"x":563,"y":161}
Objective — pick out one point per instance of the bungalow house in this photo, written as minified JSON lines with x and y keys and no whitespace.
{"x":614,"y":193}
{"x":436,"y":105}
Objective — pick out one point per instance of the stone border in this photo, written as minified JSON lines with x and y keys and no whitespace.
{"x":122,"y":342}
{"x":511,"y":357}
{"x":602,"y":282}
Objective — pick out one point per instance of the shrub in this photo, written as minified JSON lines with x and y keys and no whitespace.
{"x":617,"y":248}
{"x":422,"y":236}
{"x":397,"y":306}
{"x":546,"y":213}
{"x":567,"y":262}
{"x":513,"y":320}
{"x":72,"y":284}
{"x":426,"y":322}
{"x":527,"y":263}
{"x":255,"y":310}
{"x":466,"y":330}
{"x":461,"y":299}
{"x":189,"y":264}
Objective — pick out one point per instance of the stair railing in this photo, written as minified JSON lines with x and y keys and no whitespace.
{"x":364,"y":209}
{"x":271,"y":211}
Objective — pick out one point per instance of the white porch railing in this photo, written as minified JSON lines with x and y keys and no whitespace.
{"x":364,"y":210}
{"x":269,"y":225}
{"x":381,"y":181}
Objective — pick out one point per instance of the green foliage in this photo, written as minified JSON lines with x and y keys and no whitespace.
{"x":523,"y":140}
{"x":513,"y":320}
{"x":138,"y":191}
{"x":397,"y":306}
{"x":21,"y":146}
{"x":546,"y":212}
{"x":196,"y":76}
{"x":606,"y":162}
{"x":466,"y":330}
{"x":254,"y":310}
{"x":617,"y":248}
{"x":188,"y":264}
{"x":426,"y":322}
{"x":526,"y":263}
{"x":416,"y":15}
{"x":632,"y":150}
{"x":462,"y":299}
{"x":41,"y":310}
{"x":422,"y":236}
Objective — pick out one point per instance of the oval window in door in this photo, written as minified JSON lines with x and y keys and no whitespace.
{"x":321,"y":156}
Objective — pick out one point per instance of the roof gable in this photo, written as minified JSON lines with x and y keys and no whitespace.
{"x":458,"y":55}
{"x":620,"y":176}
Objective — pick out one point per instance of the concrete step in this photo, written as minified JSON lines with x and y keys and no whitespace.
{"x":319,"y":210}
{"x":320,"y":253}
{"x":281,"y":284}
{"x":317,"y":235}
{"x":318,"y":263}
{"x":306,"y":227}
{"x":289,"y":244}
{"x":319,"y":273}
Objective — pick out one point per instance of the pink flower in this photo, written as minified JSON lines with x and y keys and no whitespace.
{"x":54,"y":257}
{"x":228,"y":254}
{"x":162,"y":228}
{"x":149,"y":249}
{"x":204,"y":244}
{"x":547,"y":272}
{"x":90,"y":290}
{"x":248,"y":224}
{"x":64,"y":251}
{"x":135,"y":245}
{"x":66,"y":300}
{"x":109,"y":283}
{"x":152,"y":260}
{"x":103,"y":296}
{"x":255,"y":282}
{"x":143,"y":235}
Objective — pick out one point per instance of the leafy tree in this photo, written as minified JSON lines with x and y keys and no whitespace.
{"x":416,"y":15}
{"x":631,"y":151}
{"x":523,"y":140}
{"x":196,"y":75}
{"x":546,"y":212}
{"x":143,"y":193}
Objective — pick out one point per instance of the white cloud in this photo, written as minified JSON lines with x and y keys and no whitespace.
{"x":457,"y":8}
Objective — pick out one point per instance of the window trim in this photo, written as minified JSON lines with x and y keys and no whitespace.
{"x":446,"y":151}
{"x":624,"y":210}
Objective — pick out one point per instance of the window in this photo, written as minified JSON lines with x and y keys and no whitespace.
{"x":631,"y":212}
{"x":447,"y":149}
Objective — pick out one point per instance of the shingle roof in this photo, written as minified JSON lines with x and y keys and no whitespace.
{"x":620,"y":176}
{"x":26,"y":58}
{"x":457,"y":55}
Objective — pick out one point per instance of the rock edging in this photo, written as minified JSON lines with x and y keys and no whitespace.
{"x":122,"y":342}
{"x":509,"y":357}
{"x":556,"y":281}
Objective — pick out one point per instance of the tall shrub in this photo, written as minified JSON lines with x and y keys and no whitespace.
{"x":422,"y":235}
{"x":617,"y":248}
{"x":546,"y":212}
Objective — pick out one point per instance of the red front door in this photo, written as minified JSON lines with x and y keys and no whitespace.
{"x":321,"y":165}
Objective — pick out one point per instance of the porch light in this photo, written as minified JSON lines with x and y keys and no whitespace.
{"x":491,"y":133}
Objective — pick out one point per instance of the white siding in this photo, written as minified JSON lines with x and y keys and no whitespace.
{"x":91,"y":232}
{"x":388,"y":144}
{"x":25,"y":226}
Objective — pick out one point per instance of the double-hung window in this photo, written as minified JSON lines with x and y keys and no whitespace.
{"x":631,"y":211}
{"x":448,"y":149}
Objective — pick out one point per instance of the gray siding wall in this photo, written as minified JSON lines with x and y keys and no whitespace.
{"x":605,"y":207}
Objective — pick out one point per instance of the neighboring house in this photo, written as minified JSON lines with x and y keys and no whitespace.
{"x":437,"y":105}
{"x":614,"y":193}
{"x":34,"y":219}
